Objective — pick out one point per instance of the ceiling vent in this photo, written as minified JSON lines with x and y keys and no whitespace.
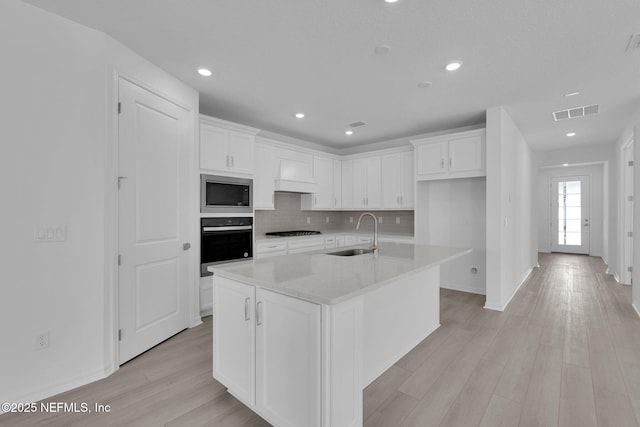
{"x":356,"y":124}
{"x":574,"y":113}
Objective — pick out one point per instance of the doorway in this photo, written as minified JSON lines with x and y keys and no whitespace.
{"x":570,"y":208}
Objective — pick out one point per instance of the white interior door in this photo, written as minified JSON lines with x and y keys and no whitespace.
{"x":570,"y":214}
{"x":153,"y":144}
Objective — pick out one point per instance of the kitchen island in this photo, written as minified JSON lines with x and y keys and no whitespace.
{"x":296,"y":338}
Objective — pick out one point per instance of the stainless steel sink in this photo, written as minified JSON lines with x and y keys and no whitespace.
{"x":351,"y":252}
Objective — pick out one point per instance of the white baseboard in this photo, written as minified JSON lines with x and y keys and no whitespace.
{"x":49,"y":390}
{"x":497,"y":307}
{"x":463,"y":288}
{"x":635,"y":307}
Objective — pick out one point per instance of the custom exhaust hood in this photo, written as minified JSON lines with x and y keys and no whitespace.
{"x":295,"y":176}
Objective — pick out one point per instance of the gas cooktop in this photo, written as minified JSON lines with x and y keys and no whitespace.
{"x":293,"y":233}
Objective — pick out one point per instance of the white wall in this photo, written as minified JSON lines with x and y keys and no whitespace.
{"x":597,"y":205}
{"x":452,"y":213}
{"x":511,"y":230}
{"x":54,"y":162}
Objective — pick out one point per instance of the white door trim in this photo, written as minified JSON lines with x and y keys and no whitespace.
{"x":111,"y":343}
{"x":624,"y":221}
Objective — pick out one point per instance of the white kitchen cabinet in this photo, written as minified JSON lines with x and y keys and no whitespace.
{"x":397,"y":180}
{"x":330,"y":242}
{"x":305,"y":244}
{"x":459,"y":155}
{"x":347,"y":184}
{"x":267,"y":352}
{"x":288,"y":350}
{"x":322,"y":198}
{"x":264,"y":179}
{"x":337,"y":184}
{"x":234,"y":337}
{"x":225,"y":147}
{"x":366,"y":182}
{"x":270,"y":248}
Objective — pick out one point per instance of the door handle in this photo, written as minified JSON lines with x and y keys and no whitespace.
{"x":186,"y":246}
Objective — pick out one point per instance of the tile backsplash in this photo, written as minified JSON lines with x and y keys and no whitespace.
{"x":287,"y":215}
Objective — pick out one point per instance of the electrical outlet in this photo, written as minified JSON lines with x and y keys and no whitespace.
{"x":397,"y":220}
{"x":327,"y":220}
{"x":42,"y":341}
{"x":379,"y":220}
{"x":308,"y":220}
{"x":350,"y":220}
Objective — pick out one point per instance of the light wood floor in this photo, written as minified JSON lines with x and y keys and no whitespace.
{"x":566,"y":352}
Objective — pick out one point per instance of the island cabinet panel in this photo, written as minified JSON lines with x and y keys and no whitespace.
{"x":234,"y":338}
{"x":288,"y":360}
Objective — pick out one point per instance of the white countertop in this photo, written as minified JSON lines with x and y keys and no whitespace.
{"x":329,"y":279}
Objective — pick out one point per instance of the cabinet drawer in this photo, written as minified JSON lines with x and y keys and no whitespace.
{"x":271,"y":247}
{"x":310,"y":243}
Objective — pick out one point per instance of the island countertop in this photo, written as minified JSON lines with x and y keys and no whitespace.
{"x":329,"y":279}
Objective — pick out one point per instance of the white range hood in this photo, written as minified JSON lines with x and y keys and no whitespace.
{"x":295,"y":177}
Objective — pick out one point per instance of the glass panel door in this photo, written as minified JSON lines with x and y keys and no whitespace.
{"x":570,"y":214}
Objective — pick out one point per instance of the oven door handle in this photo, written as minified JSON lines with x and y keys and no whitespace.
{"x":228,"y":228}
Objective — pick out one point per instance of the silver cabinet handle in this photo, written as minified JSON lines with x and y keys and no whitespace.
{"x":231,"y":161}
{"x":315,"y":200}
{"x":258,"y":313}
{"x":401,"y":200}
{"x":450,"y":162}
{"x":441,"y":163}
{"x":247,"y":301}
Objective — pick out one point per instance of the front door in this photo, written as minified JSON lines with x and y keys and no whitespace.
{"x":570,"y":214}
{"x":153,"y":150}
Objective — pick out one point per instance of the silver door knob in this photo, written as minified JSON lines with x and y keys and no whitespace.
{"x":186,"y":246}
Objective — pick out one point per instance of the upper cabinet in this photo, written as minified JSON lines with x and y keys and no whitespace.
{"x":366,"y":182}
{"x":458,"y":155}
{"x":397,"y":180}
{"x":325,"y":176}
{"x":266,"y":169}
{"x":226,"y":148}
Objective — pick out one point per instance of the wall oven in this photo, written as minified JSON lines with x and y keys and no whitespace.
{"x":223,"y":194}
{"x":225,"y":240}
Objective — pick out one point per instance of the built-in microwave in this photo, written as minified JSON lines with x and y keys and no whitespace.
{"x":223,"y":194}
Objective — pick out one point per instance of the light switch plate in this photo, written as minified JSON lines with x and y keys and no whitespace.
{"x":47,"y":233}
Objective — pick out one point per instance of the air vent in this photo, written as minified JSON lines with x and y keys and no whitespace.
{"x":356,"y":124}
{"x":574,"y":113}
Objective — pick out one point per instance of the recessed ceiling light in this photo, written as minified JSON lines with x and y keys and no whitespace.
{"x":571,"y":134}
{"x":424,"y":84}
{"x":565,"y":164}
{"x":391,"y":1}
{"x":571,"y":94}
{"x":300,"y":115}
{"x":349,"y":132}
{"x":204,"y":72}
{"x":452,"y":66}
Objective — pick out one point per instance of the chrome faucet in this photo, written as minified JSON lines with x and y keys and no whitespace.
{"x":374,"y":246}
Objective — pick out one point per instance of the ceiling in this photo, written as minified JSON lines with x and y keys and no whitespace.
{"x":272,"y":59}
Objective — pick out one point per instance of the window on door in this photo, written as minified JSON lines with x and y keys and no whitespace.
{"x":569,"y":213}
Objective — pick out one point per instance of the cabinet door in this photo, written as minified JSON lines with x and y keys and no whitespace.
{"x":264,"y":179}
{"x":347,"y":184}
{"x":234,"y":337}
{"x":374,"y":199}
{"x":337,"y":184}
{"x":431,"y":158}
{"x":323,"y":174}
{"x":465,"y":154}
{"x":360,"y":183}
{"x":214,"y":145}
{"x":391,"y":170}
{"x":408,"y":180}
{"x":288,"y":359}
{"x":241,"y":152}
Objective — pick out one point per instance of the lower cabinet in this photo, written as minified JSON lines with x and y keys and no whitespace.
{"x":266,"y":351}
